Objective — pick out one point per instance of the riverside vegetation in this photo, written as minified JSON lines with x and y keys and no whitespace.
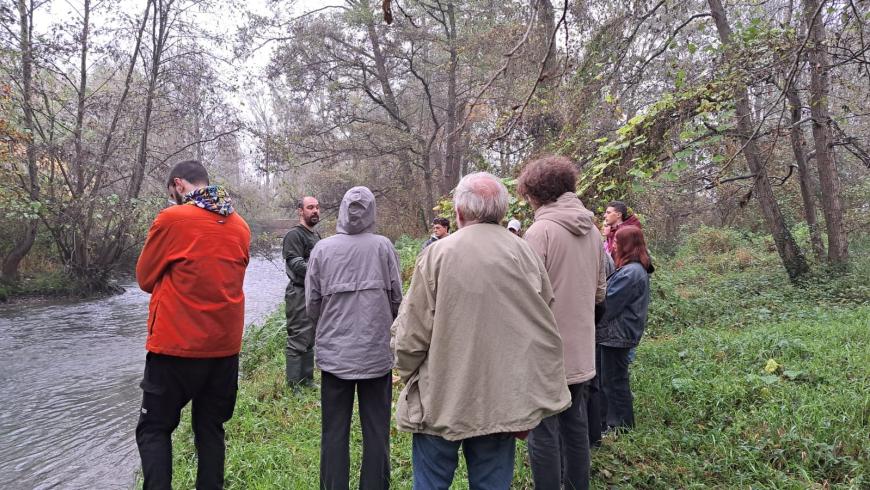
{"x":743,"y":380}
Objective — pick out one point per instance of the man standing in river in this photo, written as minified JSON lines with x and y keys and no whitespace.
{"x":193,"y":264}
{"x":297,"y":246}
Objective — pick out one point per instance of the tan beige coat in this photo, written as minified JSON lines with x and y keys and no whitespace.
{"x":567,"y":240}
{"x":475,"y":340}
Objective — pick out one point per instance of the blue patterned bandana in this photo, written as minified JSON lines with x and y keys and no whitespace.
{"x":213,"y":198}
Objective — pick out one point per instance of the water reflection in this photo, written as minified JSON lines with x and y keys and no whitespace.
{"x":69,"y":375}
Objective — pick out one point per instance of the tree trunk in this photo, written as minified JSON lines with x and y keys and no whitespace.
{"x":383,"y":77}
{"x":792,"y":258}
{"x":107,"y":254}
{"x":21,"y":248}
{"x":80,"y":259}
{"x":453,"y":155}
{"x":838,"y":245}
{"x":797,"y":144}
{"x":391,"y":106}
{"x":429,"y":183}
{"x":159,"y":34}
{"x":545,"y":123}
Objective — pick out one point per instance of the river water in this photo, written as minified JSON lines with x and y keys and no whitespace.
{"x":69,"y":384}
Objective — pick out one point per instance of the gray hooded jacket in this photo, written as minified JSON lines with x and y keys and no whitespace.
{"x":352,"y":293}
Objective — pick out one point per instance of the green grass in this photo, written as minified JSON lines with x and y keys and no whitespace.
{"x":709,"y":415}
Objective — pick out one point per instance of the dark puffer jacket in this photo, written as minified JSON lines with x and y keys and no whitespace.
{"x":627,"y":304}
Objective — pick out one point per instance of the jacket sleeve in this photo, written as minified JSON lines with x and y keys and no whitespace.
{"x":536,"y":237}
{"x":601,"y":290}
{"x":395,"y":291}
{"x":412,"y":329}
{"x":154,"y":259}
{"x":621,"y":291}
{"x":547,"y":293}
{"x":313,"y":297}
{"x":293,"y":250}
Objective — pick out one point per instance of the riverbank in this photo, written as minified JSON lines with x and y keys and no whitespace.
{"x":52,"y":285}
{"x":742,"y":379}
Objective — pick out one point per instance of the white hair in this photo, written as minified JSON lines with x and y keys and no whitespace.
{"x":480,"y":198}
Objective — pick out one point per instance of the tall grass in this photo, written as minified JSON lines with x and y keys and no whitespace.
{"x":744,"y":381}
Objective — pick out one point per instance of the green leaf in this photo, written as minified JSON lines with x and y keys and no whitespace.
{"x":638,"y":173}
{"x":684,"y":153}
{"x":680,"y":79}
{"x":669,"y":176}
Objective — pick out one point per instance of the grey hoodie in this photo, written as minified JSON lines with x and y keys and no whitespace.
{"x":352,"y":293}
{"x":568,"y":242}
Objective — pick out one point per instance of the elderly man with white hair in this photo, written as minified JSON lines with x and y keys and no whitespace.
{"x":476,"y":345}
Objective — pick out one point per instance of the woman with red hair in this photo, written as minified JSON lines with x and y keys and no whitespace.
{"x":623,"y":323}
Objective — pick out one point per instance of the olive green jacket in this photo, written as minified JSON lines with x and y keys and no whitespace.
{"x":297,"y":246}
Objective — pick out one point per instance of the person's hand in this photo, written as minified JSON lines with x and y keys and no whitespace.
{"x":606,"y":230}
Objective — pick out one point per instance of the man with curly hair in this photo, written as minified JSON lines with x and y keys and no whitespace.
{"x":565,"y":237}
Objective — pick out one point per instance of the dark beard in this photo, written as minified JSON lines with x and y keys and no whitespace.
{"x":311,"y":221}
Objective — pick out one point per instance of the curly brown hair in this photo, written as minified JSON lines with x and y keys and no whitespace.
{"x":547,"y":178}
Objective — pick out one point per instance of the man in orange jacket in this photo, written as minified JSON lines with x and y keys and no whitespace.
{"x":193,"y":264}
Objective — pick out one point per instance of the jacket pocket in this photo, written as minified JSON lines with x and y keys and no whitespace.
{"x":414,"y":403}
{"x":153,"y":319}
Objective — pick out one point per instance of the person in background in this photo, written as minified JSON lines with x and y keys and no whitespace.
{"x":353,"y":291}
{"x":481,"y":362}
{"x":514,"y":226}
{"x":615,"y":217}
{"x":296,"y":248}
{"x":193,"y":264}
{"x":440,"y":229}
{"x":623,"y":323}
{"x":595,"y":409}
{"x":565,"y":237}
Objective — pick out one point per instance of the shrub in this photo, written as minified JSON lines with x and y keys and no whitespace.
{"x":408,"y":249}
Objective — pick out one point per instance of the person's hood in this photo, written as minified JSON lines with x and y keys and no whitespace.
{"x":631,"y":221}
{"x":357,"y":212}
{"x":213,"y":198}
{"x":568,"y":212}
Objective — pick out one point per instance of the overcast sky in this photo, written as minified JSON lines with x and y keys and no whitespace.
{"x":226,"y":19}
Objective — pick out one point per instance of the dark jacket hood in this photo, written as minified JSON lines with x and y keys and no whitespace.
{"x":357,"y":212}
{"x":568,"y":212}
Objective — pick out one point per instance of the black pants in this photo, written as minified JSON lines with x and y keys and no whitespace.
{"x":616,"y":397}
{"x":593,"y":407}
{"x":559,"y":446}
{"x":169,"y":383}
{"x":336,"y":403}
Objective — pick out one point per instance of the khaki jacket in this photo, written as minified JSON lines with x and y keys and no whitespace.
{"x":475,"y":340}
{"x":567,"y":240}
